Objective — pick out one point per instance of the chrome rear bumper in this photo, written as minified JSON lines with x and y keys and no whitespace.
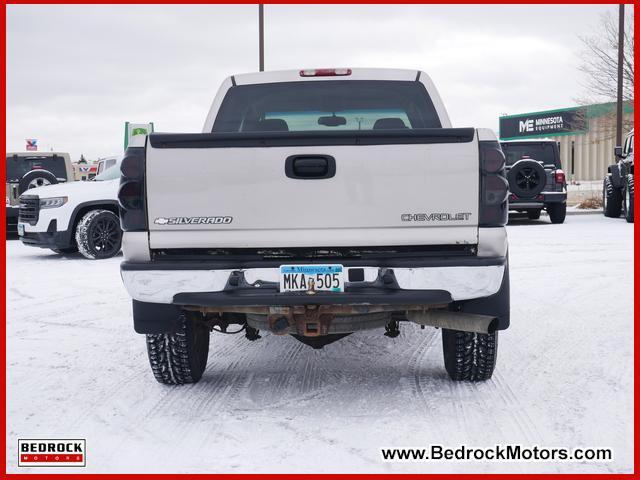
{"x":259,"y":286}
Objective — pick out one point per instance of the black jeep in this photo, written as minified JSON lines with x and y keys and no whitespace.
{"x":536,"y":179}
{"x":618,"y":188}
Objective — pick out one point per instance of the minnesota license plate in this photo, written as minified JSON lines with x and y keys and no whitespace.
{"x":21,"y":229}
{"x":311,"y":278}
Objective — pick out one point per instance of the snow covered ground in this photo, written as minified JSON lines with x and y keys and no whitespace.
{"x":564,"y":377}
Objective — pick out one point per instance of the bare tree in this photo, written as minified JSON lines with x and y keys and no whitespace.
{"x":599,"y":58}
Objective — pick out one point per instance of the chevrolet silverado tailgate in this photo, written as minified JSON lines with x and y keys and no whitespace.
{"x":249,"y":191}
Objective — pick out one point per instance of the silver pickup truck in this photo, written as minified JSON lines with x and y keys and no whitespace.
{"x":317,"y":203}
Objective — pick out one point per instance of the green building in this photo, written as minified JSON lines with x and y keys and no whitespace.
{"x":586,"y":135}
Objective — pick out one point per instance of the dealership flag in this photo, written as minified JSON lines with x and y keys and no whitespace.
{"x":32,"y":145}
{"x":139,"y":130}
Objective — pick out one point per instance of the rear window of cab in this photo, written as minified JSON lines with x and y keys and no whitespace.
{"x":324,"y":106}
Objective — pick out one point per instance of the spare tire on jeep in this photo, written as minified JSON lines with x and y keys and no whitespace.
{"x":527,"y":178}
{"x":36,"y":178}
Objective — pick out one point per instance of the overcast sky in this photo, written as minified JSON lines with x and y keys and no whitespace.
{"x":76,"y":73}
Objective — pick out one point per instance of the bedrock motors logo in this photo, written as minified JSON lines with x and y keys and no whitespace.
{"x":52,"y":452}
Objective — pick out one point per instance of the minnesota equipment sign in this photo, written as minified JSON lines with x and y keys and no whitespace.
{"x":544,"y":124}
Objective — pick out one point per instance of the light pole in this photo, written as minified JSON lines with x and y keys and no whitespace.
{"x":620,"y":72}
{"x":261,"y":35}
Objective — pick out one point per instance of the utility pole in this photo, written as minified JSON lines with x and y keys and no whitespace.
{"x":620,"y":66}
{"x":261,"y":35}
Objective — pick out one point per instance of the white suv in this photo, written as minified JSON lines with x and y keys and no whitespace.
{"x":74,"y":216}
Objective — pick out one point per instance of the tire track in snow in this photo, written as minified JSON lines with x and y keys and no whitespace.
{"x":228,"y":388}
{"x":501,"y":389}
{"x":303,"y":377}
{"x":104,"y":397}
{"x":429,"y":404}
{"x":162,"y":402}
{"x":461,"y":418}
{"x":184,"y":409}
{"x":289,"y":360}
{"x":464,"y":394}
{"x":221,"y":389}
{"x":478,"y":401}
{"x":274,"y":383}
{"x":416,"y":362}
{"x":212,"y":388}
{"x":23,"y":296}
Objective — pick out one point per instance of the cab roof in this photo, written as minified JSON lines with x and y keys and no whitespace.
{"x":298,"y":75}
{"x":37,"y":154}
{"x":530,"y":140}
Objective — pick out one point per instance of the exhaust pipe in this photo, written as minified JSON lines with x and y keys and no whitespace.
{"x":464,"y":322}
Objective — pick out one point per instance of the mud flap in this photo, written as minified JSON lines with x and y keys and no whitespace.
{"x":155,"y":318}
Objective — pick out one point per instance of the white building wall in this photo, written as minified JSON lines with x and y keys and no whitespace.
{"x":593,"y":150}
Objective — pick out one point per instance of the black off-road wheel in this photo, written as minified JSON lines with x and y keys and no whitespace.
{"x":611,"y":199}
{"x":181,"y":357}
{"x":469,"y":356}
{"x":557,"y":212}
{"x":628,"y":199}
{"x":533,"y":214}
{"x":99,"y":235}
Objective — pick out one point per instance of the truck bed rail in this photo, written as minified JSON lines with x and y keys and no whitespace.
{"x":283,"y":139}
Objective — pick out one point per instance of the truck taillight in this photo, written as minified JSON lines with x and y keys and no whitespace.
{"x":491,"y":158}
{"x":131,"y":195}
{"x":494,"y":188}
{"x":325,"y":72}
{"x":560,"y":177}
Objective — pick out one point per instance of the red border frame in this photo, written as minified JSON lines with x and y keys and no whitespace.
{"x":3,"y":458}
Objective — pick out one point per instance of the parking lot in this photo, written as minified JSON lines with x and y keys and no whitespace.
{"x":76,"y":369}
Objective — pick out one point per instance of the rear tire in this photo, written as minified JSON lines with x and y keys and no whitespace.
{"x":557,"y":212}
{"x":533,"y":214}
{"x":469,"y":356}
{"x":611,"y":199}
{"x":628,"y":199}
{"x":181,"y":357}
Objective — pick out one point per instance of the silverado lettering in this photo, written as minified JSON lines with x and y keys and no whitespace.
{"x":193,"y":220}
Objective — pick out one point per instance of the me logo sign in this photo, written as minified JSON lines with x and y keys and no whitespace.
{"x":550,"y":123}
{"x":543,"y":124}
{"x":526,"y":125}
{"x":52,"y":452}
